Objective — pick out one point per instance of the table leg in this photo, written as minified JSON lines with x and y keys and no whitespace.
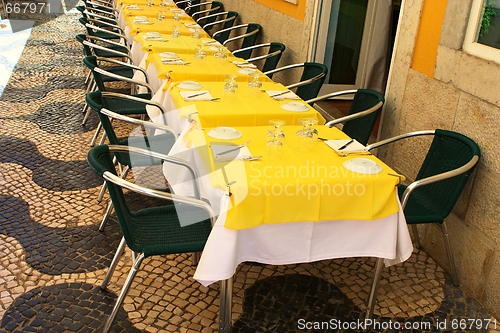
{"x":372,"y":298}
{"x":226,"y":302}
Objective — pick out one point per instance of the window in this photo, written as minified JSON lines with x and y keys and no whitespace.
{"x":483,"y":32}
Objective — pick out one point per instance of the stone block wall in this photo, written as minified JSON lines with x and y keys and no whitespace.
{"x":277,"y":27}
{"x":463,"y":96}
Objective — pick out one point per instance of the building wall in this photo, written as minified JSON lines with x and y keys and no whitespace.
{"x":461,"y":93}
{"x":278,"y":27}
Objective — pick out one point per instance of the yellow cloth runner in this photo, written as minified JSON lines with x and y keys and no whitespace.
{"x":180,"y":45}
{"x":246,"y":109}
{"x":301,"y":183}
{"x":210,"y":69}
{"x":164,"y":27}
{"x":149,"y":11}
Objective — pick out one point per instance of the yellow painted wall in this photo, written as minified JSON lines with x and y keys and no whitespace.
{"x":429,"y":32}
{"x":296,"y":11}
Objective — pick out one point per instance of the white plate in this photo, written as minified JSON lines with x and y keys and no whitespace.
{"x":169,"y":55}
{"x":190,"y":85}
{"x":295,"y":107}
{"x":363,"y":165}
{"x":141,"y":18}
{"x":224,"y":133}
{"x":246,"y":71}
{"x":152,"y":33}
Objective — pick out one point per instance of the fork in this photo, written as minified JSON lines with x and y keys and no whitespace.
{"x":244,"y":159}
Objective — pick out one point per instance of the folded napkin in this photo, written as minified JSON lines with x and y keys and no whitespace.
{"x":172,"y":61}
{"x":204,"y":97}
{"x":210,"y":42}
{"x":176,"y":10}
{"x":354,"y":147}
{"x":242,"y":64}
{"x":238,"y":154}
{"x":191,"y":25}
{"x":160,"y":38}
{"x":142,"y":22}
{"x":133,"y":7}
{"x":281,"y":94}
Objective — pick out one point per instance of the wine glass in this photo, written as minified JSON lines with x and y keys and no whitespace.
{"x":176,"y":17}
{"x":197,"y":33}
{"x":277,"y":123}
{"x":232,"y":80}
{"x":229,"y":91}
{"x":254,"y":85}
{"x":176,"y":32}
{"x":308,"y":129}
{"x":221,"y":53}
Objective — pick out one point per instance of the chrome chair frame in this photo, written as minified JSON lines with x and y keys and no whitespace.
{"x":334,"y":122}
{"x":202,"y":11}
{"x":236,"y":37}
{"x":425,"y":181}
{"x":196,"y":202}
{"x":298,"y":84}
{"x":209,"y":25}
{"x":253,"y":47}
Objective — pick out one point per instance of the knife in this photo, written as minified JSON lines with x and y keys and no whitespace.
{"x":196,"y":95}
{"x":347,"y":144}
{"x":279,"y":94}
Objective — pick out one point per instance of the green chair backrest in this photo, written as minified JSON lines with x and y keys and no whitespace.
{"x":448,"y":151}
{"x":311,"y":90}
{"x":272,"y":62}
{"x":231,"y":16}
{"x":91,"y":63}
{"x":86,"y":48}
{"x":361,"y":128}
{"x":215,"y":7}
{"x":250,"y":40}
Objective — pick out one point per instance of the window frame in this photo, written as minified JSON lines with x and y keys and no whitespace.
{"x":470,"y":45}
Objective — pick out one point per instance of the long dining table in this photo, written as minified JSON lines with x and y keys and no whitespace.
{"x":295,"y":202}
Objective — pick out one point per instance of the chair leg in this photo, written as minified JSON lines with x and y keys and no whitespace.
{"x":196,"y":258}
{"x":372,"y":297}
{"x":225,"y":307}
{"x":87,"y":111}
{"x":112,"y":267}
{"x":123,"y":293}
{"x":88,"y":77}
{"x":448,"y":251}
{"x":416,"y":238}
{"x":106,"y":216}
{"x":101,"y":193}
{"x":104,"y":134}
{"x":98,"y":129}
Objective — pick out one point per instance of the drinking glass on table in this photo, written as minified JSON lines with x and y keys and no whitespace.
{"x":229,"y":91}
{"x":176,"y":17}
{"x":176,"y":32}
{"x":197,"y":33}
{"x":254,"y":85}
{"x":307,"y":137}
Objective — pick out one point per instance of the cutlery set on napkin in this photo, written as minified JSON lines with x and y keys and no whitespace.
{"x":195,"y":96}
{"x":174,"y":62}
{"x":223,"y":152}
{"x":242,"y":64}
{"x":132,"y":7}
{"x":280,"y":95}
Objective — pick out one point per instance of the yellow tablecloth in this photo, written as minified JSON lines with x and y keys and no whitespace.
{"x":302,"y":183}
{"x":244,"y":110}
{"x":149,"y":11}
{"x":164,"y":27}
{"x":181,"y":44}
{"x":210,"y":69}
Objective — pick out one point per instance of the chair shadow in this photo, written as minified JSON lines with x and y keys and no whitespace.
{"x":286,"y":303}
{"x":66,"y":307}
{"x":54,"y":175}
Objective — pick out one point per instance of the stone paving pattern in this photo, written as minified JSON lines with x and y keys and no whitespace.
{"x":53,"y":258}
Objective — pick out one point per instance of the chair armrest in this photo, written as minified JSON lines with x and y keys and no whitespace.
{"x":91,"y":26}
{"x":107,"y":24}
{"x":124,"y":64}
{"x":229,"y":29}
{"x":229,"y":40}
{"x":209,"y":25}
{"x":335,"y":94}
{"x":159,"y":194}
{"x":265,"y":56}
{"x":88,"y":11}
{"x":436,"y":178}
{"x":253,"y":47}
{"x":144,"y":123}
{"x":303,"y":83}
{"x":208,"y":16}
{"x":399,"y":137}
{"x":134,"y":99}
{"x":355,"y":116}
{"x":284,"y":68}
{"x":111,"y":9}
{"x":108,"y":41}
{"x":118,"y":53}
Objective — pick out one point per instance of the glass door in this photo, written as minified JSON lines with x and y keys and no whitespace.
{"x":347,"y":44}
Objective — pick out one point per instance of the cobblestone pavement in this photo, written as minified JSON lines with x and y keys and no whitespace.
{"x":53,"y":258}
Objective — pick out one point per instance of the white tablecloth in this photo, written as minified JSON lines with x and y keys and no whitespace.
{"x":284,"y":243}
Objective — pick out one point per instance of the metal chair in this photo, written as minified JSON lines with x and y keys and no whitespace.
{"x":203,"y":9}
{"x":275,"y":50}
{"x":110,"y":106}
{"x":152,"y":231}
{"x":225,"y":19}
{"x":362,"y":116}
{"x":313,"y":76}
{"x":431,"y":197}
{"x":185,"y":3}
{"x":248,"y":38}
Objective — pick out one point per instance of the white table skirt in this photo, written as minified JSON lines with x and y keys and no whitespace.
{"x":283,"y":243}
